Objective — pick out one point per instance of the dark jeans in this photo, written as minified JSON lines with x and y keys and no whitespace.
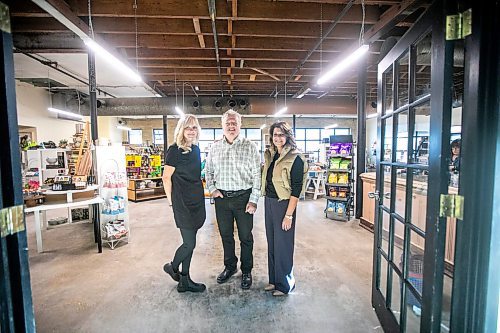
{"x":185,"y":252}
{"x":227,"y":210}
{"x":280,"y":245}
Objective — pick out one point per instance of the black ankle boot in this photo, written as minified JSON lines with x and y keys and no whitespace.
{"x":186,"y":284}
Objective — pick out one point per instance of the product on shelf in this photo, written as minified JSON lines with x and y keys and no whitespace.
{"x":335,"y":162}
{"x":332,"y":178}
{"x":115,"y":230}
{"x":345,"y":164}
{"x":343,"y":178}
{"x":340,"y":176}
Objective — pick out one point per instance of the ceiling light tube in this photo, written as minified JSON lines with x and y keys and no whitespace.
{"x":302,"y":94}
{"x":331,"y":126}
{"x":280,"y":112}
{"x":66,"y":113}
{"x":112,"y":60}
{"x":125,"y":128}
{"x":343,"y":65}
{"x":179,"y":111}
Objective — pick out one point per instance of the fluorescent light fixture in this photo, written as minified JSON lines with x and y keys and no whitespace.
{"x":112,"y":60}
{"x":370,"y":116}
{"x":331,"y":126}
{"x":179,"y":111}
{"x":343,"y":64}
{"x":66,"y":113}
{"x":263,"y":126}
{"x":196,"y":88}
{"x":280,"y":112}
{"x":304,"y":92}
{"x":125,"y":128}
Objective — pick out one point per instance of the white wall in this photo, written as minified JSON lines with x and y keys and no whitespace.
{"x":32,"y":104}
{"x":106,"y":126}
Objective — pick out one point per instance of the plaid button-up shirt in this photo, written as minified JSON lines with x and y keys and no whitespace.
{"x":234,"y":167}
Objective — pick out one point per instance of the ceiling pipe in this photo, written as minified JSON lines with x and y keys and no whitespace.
{"x":213,"y":15}
{"x":54,"y":66}
{"x":320,"y":41}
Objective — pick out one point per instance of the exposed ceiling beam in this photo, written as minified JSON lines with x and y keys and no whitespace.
{"x":201,"y":40}
{"x":387,"y":21}
{"x":247,"y":10}
{"x":265,"y":73}
{"x":173,"y":27}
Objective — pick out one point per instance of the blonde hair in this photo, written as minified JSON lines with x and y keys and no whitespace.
{"x":180,"y":140}
{"x":231,"y":113}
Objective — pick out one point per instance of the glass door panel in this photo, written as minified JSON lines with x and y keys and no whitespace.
{"x":404,"y":89}
{"x":423,"y":66}
{"x":395,"y":295}
{"x":403,"y":79}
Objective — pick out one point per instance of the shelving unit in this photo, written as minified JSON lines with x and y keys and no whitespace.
{"x":145,"y":189}
{"x":340,"y":178}
{"x":115,"y":227}
{"x":43,"y":164}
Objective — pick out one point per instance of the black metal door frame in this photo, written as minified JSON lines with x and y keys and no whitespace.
{"x":16,"y":307}
{"x":477,"y":270}
{"x":431,"y":300}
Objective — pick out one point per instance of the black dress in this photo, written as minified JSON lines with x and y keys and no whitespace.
{"x":188,"y":199}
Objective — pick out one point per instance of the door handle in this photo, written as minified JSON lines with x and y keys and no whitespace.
{"x":374,"y":195}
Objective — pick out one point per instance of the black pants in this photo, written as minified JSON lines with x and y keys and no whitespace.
{"x":185,"y":252}
{"x":280,"y":245}
{"x":227,"y":210}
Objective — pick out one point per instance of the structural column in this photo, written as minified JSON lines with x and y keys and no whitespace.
{"x":94,"y":137}
{"x":361,"y":140}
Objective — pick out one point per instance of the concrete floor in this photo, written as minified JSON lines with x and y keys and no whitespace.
{"x":75,"y":289}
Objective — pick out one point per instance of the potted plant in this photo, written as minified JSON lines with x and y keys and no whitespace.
{"x":63,"y":143}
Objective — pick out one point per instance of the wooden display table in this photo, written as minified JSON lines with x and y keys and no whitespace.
{"x":62,"y":200}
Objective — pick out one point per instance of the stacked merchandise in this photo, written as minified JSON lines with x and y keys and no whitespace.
{"x":340,"y":178}
{"x":113,"y":189}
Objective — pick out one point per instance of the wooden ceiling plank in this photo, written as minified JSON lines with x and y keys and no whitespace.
{"x":261,"y":71}
{"x":197,"y":29}
{"x":234,"y":8}
{"x":229,"y":27}
{"x":253,"y":10}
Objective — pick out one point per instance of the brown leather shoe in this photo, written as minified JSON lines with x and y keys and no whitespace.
{"x":278,"y":293}
{"x":270,"y":287}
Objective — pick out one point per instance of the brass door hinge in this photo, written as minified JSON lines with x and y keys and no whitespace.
{"x":4,"y":18}
{"x":459,"y":26}
{"x":11,"y":220}
{"x":451,"y":205}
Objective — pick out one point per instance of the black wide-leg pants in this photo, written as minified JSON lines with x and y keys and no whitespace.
{"x":280,"y":245}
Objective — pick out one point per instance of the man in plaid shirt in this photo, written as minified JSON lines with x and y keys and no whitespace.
{"x":233,"y":179}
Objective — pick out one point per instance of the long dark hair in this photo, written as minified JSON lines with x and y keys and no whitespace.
{"x":287,"y":130}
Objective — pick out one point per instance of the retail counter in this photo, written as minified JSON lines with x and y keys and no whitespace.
{"x":419,"y":211}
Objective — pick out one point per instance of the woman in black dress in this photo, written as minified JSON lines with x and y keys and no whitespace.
{"x":184,"y":189}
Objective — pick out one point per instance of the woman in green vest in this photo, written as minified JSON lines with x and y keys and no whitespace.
{"x":283,"y":178}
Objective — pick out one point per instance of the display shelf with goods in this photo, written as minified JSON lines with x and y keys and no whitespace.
{"x":43,"y":165}
{"x":112,"y":176}
{"x":340,"y":178}
{"x":79,"y":149}
{"x":145,"y":189}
